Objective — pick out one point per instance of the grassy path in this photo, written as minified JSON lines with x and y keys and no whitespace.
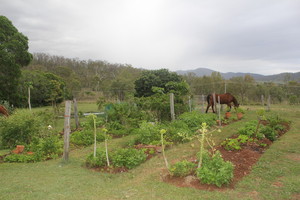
{"x":275,"y":176}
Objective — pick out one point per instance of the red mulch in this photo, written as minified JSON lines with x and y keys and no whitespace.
{"x":242,"y":159}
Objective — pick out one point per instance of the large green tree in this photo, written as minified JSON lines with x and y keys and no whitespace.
{"x":154,"y":78}
{"x":13,"y":55}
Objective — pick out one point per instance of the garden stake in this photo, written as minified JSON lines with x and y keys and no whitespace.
{"x":162,"y":132}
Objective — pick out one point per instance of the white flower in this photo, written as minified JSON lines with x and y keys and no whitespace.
{"x":49,"y":127}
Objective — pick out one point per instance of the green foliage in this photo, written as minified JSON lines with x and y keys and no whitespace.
{"x":85,"y":137}
{"x":98,"y":161}
{"x":235,"y":143}
{"x":13,"y":55}
{"x":269,"y":133}
{"x":155,"y":78}
{"x":249,"y":128}
{"x":182,"y":168}
{"x":194,"y":119}
{"x":21,"y":128}
{"x":20,"y":158}
{"x":293,"y":100}
{"x":215,"y":170}
{"x":128,"y":158}
{"x":46,"y":88}
{"x":179,"y":132}
{"x":148,"y":133}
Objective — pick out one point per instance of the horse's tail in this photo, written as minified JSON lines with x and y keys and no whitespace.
{"x":208,"y":98}
{"x":4,"y":111}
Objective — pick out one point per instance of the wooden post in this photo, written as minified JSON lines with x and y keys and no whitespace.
{"x":269,"y":103}
{"x":219,"y":111}
{"x":190,"y":104}
{"x":76,"y":113}
{"x":172,"y":106}
{"x":215,"y":104}
{"x":29,"y":103}
{"x":67,"y":130}
{"x":262,"y":100}
{"x":203,"y":102}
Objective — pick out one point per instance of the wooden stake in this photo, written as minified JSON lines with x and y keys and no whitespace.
{"x":76,"y":113}
{"x":67,"y":130}
{"x":172,"y":106}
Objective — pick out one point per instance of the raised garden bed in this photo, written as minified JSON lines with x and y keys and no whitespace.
{"x":243,"y":159}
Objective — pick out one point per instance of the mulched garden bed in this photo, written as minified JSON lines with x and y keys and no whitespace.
{"x":242,"y":159}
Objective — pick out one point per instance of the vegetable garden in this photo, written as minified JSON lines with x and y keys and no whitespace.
{"x":257,"y":157}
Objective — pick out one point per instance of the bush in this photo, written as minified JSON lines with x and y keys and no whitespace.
{"x":235,"y":143}
{"x":215,"y":170}
{"x":21,"y":128}
{"x":194,"y":119}
{"x":269,"y":133}
{"x":98,"y":161}
{"x":148,"y":133}
{"x":183,"y":168}
{"x":249,"y":128}
{"x":128,"y":158}
{"x":85,"y":137}
{"x":179,"y":132}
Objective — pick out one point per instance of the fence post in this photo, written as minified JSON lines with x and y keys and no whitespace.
{"x":214,"y":99}
{"x":67,"y":130}
{"x":219,"y":111}
{"x":262,"y":100}
{"x":269,"y":103}
{"x":76,"y":113}
{"x":202,"y":103}
{"x":172,"y":106}
{"x":190,"y":104}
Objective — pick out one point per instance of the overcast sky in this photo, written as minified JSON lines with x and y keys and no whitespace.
{"x":257,"y":36}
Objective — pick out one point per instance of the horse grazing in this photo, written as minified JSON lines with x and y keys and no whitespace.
{"x":3,"y":111}
{"x":226,"y":98}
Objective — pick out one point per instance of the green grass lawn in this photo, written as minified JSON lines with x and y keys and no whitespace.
{"x":275,"y":176}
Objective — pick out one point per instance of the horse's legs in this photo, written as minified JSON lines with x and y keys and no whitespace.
{"x":212,"y":106}
{"x":208,"y":105}
{"x":229,"y":105}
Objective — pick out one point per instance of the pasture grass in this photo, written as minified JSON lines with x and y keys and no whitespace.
{"x":275,"y":176}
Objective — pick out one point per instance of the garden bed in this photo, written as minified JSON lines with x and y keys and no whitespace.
{"x":243,"y":161}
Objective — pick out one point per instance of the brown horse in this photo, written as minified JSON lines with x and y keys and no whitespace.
{"x":226,"y":98}
{"x":3,"y":111}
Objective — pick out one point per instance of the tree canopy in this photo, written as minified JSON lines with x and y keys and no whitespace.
{"x":155,"y":78}
{"x":13,"y":55}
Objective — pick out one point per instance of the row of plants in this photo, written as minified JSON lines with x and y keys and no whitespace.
{"x":256,"y":131}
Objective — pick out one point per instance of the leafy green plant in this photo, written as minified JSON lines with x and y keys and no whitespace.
{"x":179,"y":132}
{"x":249,"y":129}
{"x":148,"y":133}
{"x":215,"y":170}
{"x":128,"y":158}
{"x":269,"y":133}
{"x":235,"y":143}
{"x":20,"y":158}
{"x":183,"y":168}
{"x":21,"y":128}
{"x":194,"y":119}
{"x":98,"y":161}
{"x":85,"y":137}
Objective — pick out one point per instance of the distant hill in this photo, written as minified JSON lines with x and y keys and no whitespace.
{"x":258,"y":77}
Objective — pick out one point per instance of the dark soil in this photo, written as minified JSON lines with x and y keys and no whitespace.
{"x":242,"y":159}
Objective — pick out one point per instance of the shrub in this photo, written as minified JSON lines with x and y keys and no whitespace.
{"x":182,"y":168}
{"x":215,"y":170}
{"x":98,"y":161}
{"x":128,"y":158}
{"x":194,"y":119}
{"x":269,"y":133}
{"x":179,"y":132}
{"x":148,"y":133}
{"x":249,"y":128}
{"x":85,"y":137}
{"x":21,"y":128}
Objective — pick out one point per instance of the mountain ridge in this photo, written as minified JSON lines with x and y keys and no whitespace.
{"x":281,"y":77}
